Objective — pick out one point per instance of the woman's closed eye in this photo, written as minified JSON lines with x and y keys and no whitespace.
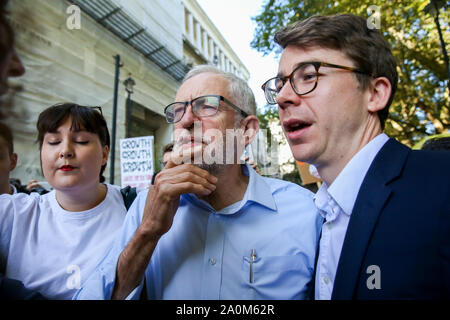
{"x":82,"y":141}
{"x":56,"y":142}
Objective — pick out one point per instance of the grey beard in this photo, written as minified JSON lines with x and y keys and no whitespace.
{"x":212,"y":168}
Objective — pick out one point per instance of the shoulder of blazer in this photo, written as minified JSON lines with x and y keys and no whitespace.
{"x":388,"y":163}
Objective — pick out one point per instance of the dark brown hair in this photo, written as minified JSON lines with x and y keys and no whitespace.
{"x":6,"y":134}
{"x":349,"y":34}
{"x":83,"y":118}
{"x":442,"y":143}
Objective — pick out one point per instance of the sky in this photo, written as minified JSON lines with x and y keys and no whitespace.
{"x":233,"y":19}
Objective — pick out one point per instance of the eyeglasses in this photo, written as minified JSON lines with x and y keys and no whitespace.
{"x":303,"y":79}
{"x":204,"y":106}
{"x":98,"y":109}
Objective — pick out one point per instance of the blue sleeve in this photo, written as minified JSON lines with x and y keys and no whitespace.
{"x":100,"y":284}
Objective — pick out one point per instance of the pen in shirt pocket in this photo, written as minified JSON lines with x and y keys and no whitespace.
{"x":252,"y":258}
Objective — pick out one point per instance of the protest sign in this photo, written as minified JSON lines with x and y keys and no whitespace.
{"x":136,"y":161}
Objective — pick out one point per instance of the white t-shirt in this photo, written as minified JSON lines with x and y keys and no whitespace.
{"x":52,"y":250}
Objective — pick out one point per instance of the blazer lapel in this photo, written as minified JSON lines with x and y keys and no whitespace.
{"x":372,"y":196}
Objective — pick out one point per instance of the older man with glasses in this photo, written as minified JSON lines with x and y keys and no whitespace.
{"x":386,"y":207}
{"x":212,"y":231}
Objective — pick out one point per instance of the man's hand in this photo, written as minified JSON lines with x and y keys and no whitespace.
{"x":160,"y":207}
{"x":170,"y":184}
{"x":32,"y":184}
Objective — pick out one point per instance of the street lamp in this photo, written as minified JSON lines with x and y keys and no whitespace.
{"x":432,"y":8}
{"x":129,"y":83}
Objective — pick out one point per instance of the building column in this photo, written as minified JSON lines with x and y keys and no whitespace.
{"x":222,"y":60}
{"x":191,"y":27}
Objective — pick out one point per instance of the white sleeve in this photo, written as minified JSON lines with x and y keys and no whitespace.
{"x":14,"y":209}
{"x":6,"y":224}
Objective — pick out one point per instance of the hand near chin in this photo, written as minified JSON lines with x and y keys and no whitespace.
{"x":164,"y":196}
{"x":161,"y":204}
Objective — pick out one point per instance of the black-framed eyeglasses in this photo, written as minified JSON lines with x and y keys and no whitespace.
{"x":303,"y":79}
{"x":204,"y":106}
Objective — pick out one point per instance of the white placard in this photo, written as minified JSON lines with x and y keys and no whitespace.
{"x":136,"y":161}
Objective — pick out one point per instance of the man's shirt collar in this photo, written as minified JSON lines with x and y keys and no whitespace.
{"x":344,"y":190}
{"x":257,"y":191}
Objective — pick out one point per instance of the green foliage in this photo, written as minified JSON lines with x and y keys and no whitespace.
{"x":269,"y":113}
{"x":421,"y":104}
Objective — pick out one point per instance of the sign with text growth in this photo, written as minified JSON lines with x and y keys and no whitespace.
{"x":136,"y":161}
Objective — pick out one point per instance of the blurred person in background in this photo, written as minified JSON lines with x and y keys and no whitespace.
{"x":442,"y":143}
{"x":167,"y":152}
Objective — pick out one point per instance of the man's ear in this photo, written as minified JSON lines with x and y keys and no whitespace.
{"x":12,"y":161}
{"x":250,"y":124}
{"x":379,"y":93}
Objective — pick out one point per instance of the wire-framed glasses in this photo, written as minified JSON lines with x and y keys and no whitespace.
{"x":98,"y":108}
{"x":203,"y":106}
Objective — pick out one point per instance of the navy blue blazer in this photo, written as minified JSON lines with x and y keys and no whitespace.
{"x":397,"y":244}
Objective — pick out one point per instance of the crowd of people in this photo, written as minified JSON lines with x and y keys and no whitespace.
{"x":378,"y":227}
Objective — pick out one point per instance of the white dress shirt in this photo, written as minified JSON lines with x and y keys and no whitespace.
{"x":335,"y":204}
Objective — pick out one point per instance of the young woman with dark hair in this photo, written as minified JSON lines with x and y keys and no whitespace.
{"x":51,"y":243}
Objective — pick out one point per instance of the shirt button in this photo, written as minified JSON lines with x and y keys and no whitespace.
{"x":212,"y":261}
{"x":326,"y":280}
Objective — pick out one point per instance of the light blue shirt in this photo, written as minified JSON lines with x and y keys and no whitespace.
{"x":206,"y":253}
{"x":336,"y":205}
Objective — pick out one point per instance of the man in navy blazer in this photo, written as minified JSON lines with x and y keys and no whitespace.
{"x":386,"y":208}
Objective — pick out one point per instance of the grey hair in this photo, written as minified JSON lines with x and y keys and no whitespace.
{"x":238,"y":89}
